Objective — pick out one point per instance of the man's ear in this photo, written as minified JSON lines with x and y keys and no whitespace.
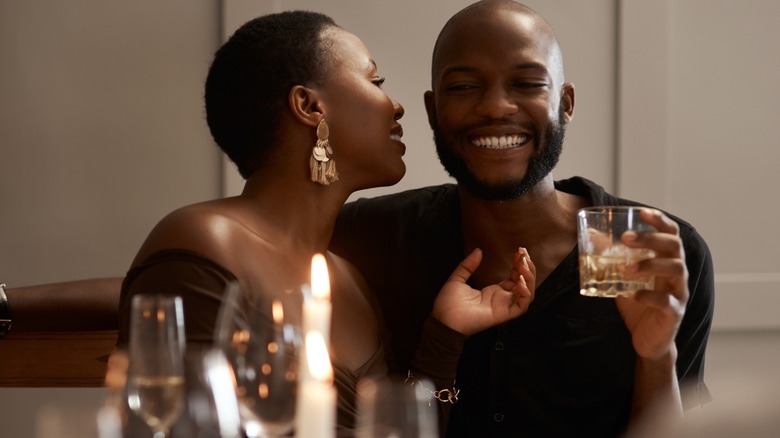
{"x":305,"y":105}
{"x":430,"y":108}
{"x":567,"y":102}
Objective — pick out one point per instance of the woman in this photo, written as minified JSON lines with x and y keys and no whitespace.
{"x":296,"y":103}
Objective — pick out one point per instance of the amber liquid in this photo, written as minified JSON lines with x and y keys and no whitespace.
{"x":604,"y":275}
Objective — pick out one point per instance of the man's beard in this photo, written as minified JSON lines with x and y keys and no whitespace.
{"x":539,"y":166}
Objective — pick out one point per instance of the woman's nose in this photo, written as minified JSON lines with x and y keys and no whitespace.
{"x":399,"y":110}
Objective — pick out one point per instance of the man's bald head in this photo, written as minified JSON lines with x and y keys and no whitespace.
{"x":482,"y":14}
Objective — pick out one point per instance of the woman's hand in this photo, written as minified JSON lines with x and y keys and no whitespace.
{"x":469,"y":311}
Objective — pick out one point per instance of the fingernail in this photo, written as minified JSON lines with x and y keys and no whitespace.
{"x":522,"y":280}
{"x":522,"y":250}
{"x":525,"y":262}
{"x":630,"y":236}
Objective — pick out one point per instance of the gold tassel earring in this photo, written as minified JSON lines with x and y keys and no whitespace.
{"x":322,"y":164}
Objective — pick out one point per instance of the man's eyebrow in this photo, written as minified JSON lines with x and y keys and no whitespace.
{"x":530,"y":66}
{"x":539,"y":67}
{"x":457,"y":69}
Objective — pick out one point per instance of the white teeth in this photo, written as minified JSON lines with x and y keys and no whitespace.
{"x":395,"y":137}
{"x":503,"y":142}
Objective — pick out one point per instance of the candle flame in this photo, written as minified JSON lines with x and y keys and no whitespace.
{"x":317,"y":357}
{"x":278,"y":311}
{"x":320,"y":282}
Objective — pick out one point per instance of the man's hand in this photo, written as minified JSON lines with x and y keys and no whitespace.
{"x":653,"y":316}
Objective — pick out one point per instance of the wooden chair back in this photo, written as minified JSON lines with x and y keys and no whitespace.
{"x":62,"y":334}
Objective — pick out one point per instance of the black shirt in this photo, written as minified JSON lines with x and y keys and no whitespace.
{"x":565,"y":368}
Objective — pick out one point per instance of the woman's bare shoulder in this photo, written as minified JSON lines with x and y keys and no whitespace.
{"x":349,"y":274}
{"x":206,"y":228}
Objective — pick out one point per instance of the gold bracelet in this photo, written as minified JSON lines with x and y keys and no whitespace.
{"x":446,"y":395}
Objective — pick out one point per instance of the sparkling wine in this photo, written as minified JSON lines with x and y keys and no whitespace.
{"x":157,"y":400}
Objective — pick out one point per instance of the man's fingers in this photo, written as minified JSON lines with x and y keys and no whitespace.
{"x":659,"y":221}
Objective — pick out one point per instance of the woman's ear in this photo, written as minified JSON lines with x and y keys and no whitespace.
{"x":305,"y":105}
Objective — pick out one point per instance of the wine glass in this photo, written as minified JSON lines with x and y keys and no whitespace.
{"x":262,"y":347}
{"x":392,"y":409}
{"x":155,"y":383}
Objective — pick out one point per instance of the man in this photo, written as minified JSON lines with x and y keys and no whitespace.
{"x":572,"y":365}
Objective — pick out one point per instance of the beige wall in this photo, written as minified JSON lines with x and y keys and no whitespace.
{"x":102,"y":131}
{"x":698,"y":116}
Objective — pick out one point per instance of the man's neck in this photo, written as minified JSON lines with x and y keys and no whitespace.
{"x":542,"y":221}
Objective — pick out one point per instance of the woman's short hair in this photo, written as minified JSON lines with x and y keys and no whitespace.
{"x":250,"y":78}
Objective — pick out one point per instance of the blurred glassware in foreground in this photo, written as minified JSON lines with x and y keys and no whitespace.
{"x":392,"y":409}
{"x":155,"y":382}
{"x":262,"y":347}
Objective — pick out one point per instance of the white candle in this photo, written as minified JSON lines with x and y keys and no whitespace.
{"x":316,"y":413}
{"x":317,"y":308}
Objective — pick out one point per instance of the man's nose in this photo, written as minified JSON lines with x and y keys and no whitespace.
{"x":495,"y":103}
